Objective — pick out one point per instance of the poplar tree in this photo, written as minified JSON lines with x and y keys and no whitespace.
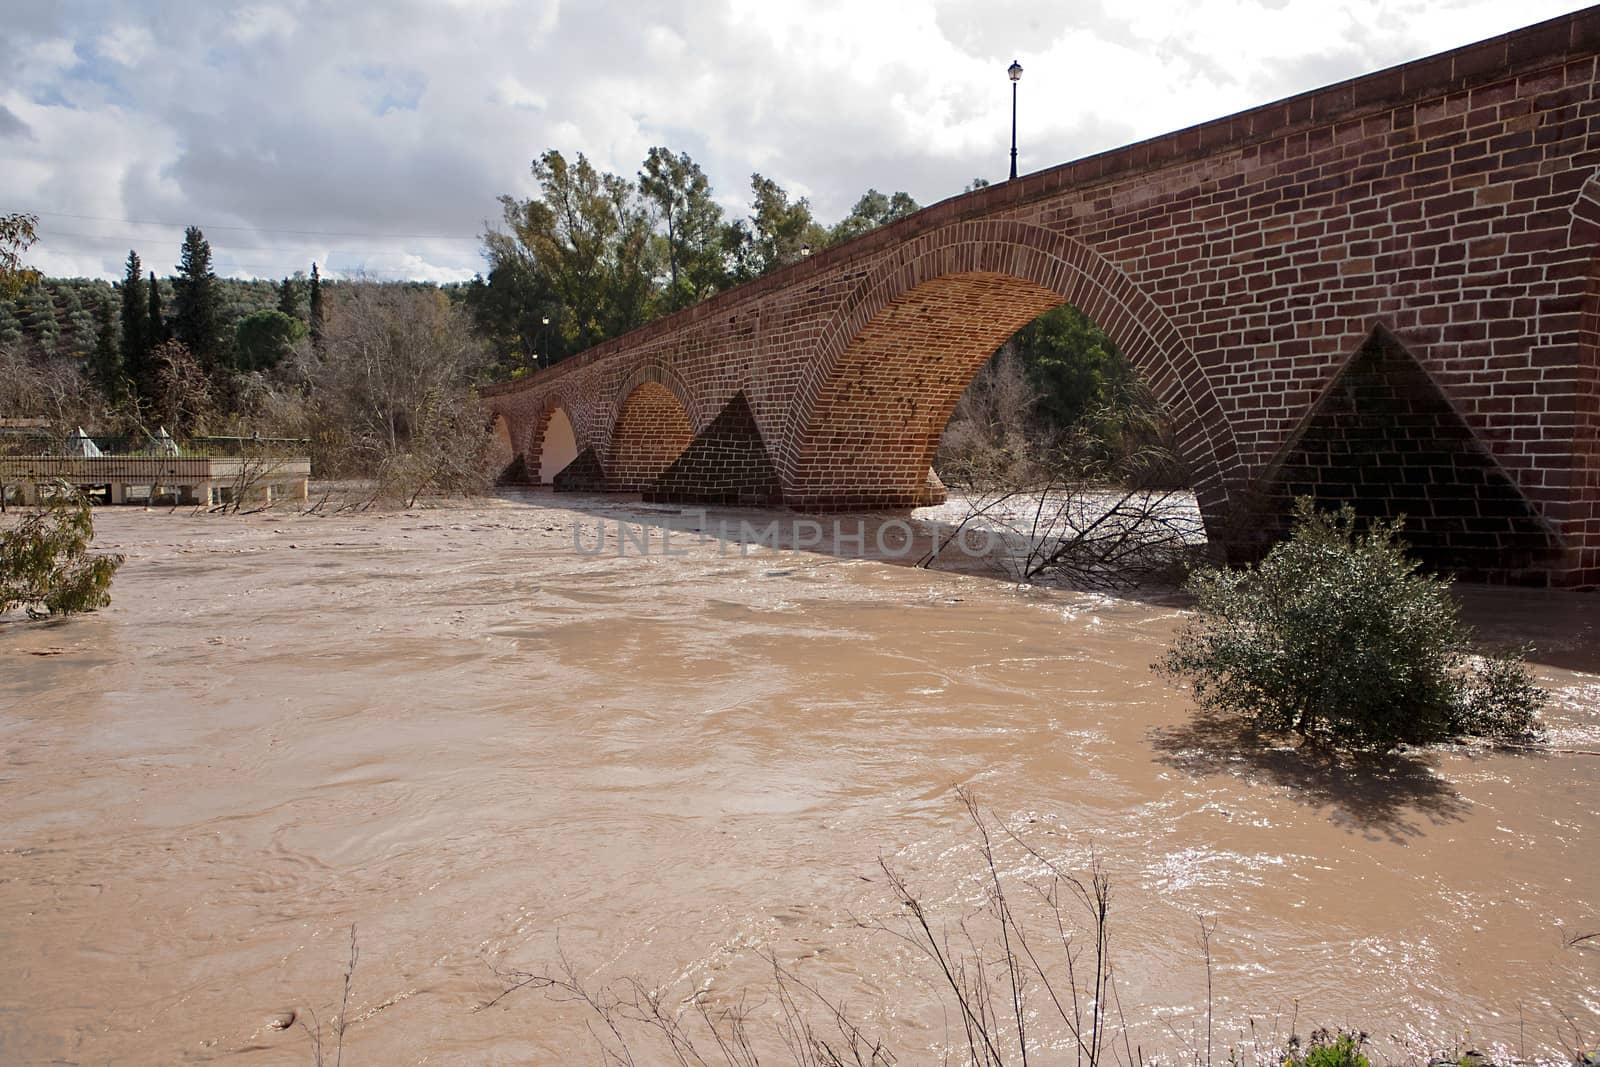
{"x":196,"y":310}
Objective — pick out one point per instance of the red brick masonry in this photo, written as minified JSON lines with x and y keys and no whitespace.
{"x":1442,"y":216}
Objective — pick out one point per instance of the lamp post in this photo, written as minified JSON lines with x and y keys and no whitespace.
{"x":544,"y":328}
{"x":1015,"y":70}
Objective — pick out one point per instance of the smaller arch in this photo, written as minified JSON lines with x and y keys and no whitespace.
{"x":652,"y":370}
{"x":652,"y":429}
{"x":555,"y":444}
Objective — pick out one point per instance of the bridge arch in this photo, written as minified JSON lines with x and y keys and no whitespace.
{"x":901,"y":349}
{"x":553,"y":443}
{"x":652,"y":426}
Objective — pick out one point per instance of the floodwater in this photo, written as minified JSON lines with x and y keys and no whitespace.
{"x":483,"y":748}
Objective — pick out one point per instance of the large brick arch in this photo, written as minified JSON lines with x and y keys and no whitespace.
{"x":904,"y":345}
{"x":652,"y":428}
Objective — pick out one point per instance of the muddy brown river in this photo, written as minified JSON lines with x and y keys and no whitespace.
{"x":485,"y":749}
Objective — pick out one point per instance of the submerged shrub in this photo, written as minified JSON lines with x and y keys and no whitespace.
{"x":45,"y":565}
{"x":1336,"y":636}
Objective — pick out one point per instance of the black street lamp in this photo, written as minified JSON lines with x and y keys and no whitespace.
{"x":1015,"y":70}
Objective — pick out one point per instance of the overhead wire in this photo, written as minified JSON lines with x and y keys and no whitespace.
{"x":370,"y":234}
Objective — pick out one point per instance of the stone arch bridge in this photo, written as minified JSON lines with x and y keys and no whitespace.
{"x":1382,"y":291}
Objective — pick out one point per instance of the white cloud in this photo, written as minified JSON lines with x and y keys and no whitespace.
{"x":360,"y":121}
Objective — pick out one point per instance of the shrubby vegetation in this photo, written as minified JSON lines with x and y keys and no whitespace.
{"x":388,"y":396}
{"x":45,"y":564}
{"x":1060,"y":452}
{"x":1327,"y":1048}
{"x":1338,"y":637}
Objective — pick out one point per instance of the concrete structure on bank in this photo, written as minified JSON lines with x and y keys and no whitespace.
{"x":200,"y":480}
{"x":1383,"y":291}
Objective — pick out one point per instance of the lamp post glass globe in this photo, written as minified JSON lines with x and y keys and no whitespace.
{"x":1015,"y":73}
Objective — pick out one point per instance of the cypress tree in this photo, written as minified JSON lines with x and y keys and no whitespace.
{"x":106,"y":361}
{"x":135,"y":327}
{"x":289,"y":298}
{"x":158,"y":323}
{"x":196,"y":310}
{"x":318,"y":320}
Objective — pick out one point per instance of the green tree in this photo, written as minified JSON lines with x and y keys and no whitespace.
{"x":263,"y":338}
{"x":588,"y":237}
{"x":38,"y":314}
{"x":135,"y":327}
{"x":10,"y":325}
{"x":1337,"y":636}
{"x":18,"y":233}
{"x":518,"y":313}
{"x":874,"y":209}
{"x":678,"y":190}
{"x":45,"y":565}
{"x":157,"y":318}
{"x":289,"y":297}
{"x":196,"y":314}
{"x":1073,"y":364}
{"x":105,"y":364}
{"x":317,"y":314}
{"x":782,"y":229}
{"x":79,"y":332}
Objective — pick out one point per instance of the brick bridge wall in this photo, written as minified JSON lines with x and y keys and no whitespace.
{"x":1445,"y":211}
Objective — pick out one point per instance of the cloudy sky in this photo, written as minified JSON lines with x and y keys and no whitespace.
{"x":376,"y":135}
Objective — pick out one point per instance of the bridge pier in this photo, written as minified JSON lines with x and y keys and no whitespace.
{"x":726,"y":463}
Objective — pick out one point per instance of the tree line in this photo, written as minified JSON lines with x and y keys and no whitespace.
{"x":589,"y":257}
{"x":597,"y":254}
{"x":377,"y":379}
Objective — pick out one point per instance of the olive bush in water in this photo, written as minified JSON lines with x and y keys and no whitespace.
{"x":45,"y":564}
{"x":1337,"y":637}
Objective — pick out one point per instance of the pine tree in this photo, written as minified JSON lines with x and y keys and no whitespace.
{"x":106,"y":361}
{"x":289,"y":297}
{"x":318,"y":314}
{"x":158,"y":323}
{"x":196,"y":304}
